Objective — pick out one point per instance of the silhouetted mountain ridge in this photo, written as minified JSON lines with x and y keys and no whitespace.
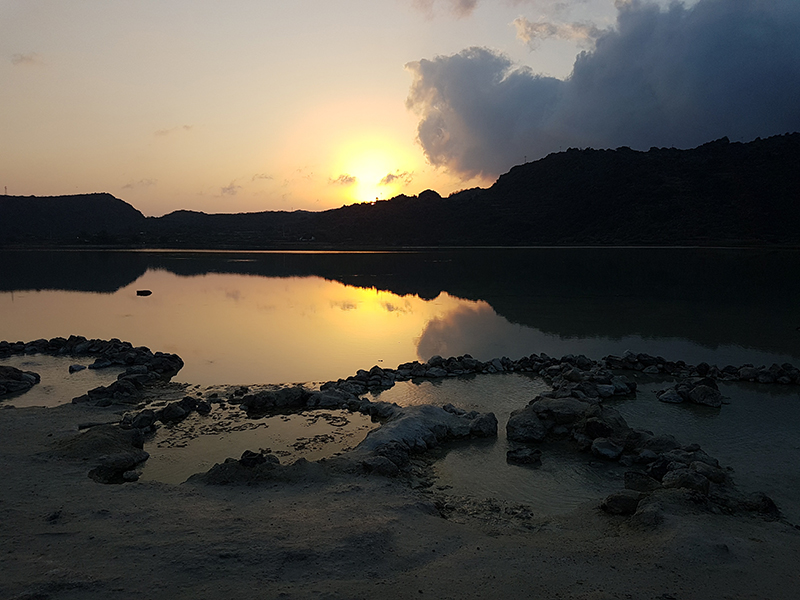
{"x":716,"y":194}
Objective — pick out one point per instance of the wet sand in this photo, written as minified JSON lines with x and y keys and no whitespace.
{"x":330,"y":534}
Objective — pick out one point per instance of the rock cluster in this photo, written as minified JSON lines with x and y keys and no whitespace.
{"x":172,"y":412}
{"x":142,"y":366}
{"x":698,"y":390}
{"x":657,"y":462}
{"x":14,"y":381}
{"x":656,"y":365}
{"x":115,"y":453}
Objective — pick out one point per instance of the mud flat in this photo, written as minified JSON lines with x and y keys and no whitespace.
{"x":354,"y":527}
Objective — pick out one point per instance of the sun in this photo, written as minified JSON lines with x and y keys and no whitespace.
{"x":374,"y":167}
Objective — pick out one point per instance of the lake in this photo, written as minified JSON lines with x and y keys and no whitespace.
{"x":272,"y":317}
{"x":267,"y":317}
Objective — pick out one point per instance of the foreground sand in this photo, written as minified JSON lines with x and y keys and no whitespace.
{"x":329,"y":535}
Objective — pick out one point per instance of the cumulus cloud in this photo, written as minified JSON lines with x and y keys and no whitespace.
{"x":532,"y":33}
{"x":397,"y":177}
{"x":142,"y":183}
{"x":674,"y":76}
{"x":31,"y":59}
{"x":344,"y":179}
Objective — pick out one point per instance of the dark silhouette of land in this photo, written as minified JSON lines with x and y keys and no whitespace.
{"x":720,"y":193}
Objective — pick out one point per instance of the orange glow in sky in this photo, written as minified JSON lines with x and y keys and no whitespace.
{"x":233,"y":107}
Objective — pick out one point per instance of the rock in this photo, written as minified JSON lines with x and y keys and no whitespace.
{"x":605,"y":448}
{"x":173,"y":412}
{"x":706,"y":395}
{"x":597,"y":428}
{"x":761,"y":503}
{"x":252,"y":459}
{"x":524,"y":425}
{"x":111,"y":468}
{"x":380,"y":465}
{"x":144,"y":419}
{"x":436,"y":372}
{"x":524,"y":456}
{"x":14,"y":381}
{"x":670,"y":395}
{"x":75,"y":368}
{"x":484,"y":425}
{"x":622,"y":503}
{"x":640,"y":482}
{"x":647,"y":516}
{"x":605,"y":390}
{"x":686,"y":478}
{"x":287,"y":397}
{"x":130,"y":476}
{"x":561,"y":410}
{"x":143,"y":292}
{"x":100,"y":363}
{"x":713,"y":474}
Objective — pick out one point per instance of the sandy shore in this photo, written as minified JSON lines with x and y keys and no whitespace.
{"x":327,"y":534}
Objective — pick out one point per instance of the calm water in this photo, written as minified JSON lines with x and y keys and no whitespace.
{"x":277,"y":317}
{"x":298,"y":317}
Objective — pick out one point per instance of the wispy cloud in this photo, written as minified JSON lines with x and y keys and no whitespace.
{"x":166,"y":132}
{"x":231,"y":189}
{"x":459,"y":8}
{"x":344,"y":179}
{"x":142,"y":183}
{"x":397,"y":177}
{"x":532,"y":33}
{"x":261,"y":176}
{"x":31,"y":59}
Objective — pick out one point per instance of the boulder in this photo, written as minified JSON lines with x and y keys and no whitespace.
{"x":14,"y":381}
{"x":560,"y":410}
{"x":686,"y":478}
{"x":606,"y":448}
{"x":670,"y":395}
{"x":111,"y":468}
{"x":524,"y":425}
{"x":706,"y":395}
{"x":484,"y":425}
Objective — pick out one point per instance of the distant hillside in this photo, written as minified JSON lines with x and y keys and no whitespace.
{"x":719,"y":193}
{"x":80,"y":218}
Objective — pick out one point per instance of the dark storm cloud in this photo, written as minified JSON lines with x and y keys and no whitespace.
{"x":673,"y":77}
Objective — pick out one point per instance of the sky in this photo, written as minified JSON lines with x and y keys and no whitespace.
{"x":251,"y":105}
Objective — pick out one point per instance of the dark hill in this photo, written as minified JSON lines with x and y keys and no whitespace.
{"x":67,"y":219}
{"x":717,"y":194}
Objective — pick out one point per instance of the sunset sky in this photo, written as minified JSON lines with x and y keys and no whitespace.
{"x":248,"y":105}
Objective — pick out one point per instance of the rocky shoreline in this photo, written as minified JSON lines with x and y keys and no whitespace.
{"x":372,"y":521}
{"x":573,"y":410}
